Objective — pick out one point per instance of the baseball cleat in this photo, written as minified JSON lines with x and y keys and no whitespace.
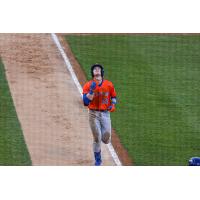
{"x":98,"y":160}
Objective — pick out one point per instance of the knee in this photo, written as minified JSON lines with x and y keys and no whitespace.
{"x":97,"y":139}
{"x":106,"y":138}
{"x":106,"y":141}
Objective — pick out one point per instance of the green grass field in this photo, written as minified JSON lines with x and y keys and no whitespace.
{"x":13,"y":150}
{"x":157,"y":78}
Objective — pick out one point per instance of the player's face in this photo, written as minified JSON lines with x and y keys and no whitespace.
{"x":97,"y":71}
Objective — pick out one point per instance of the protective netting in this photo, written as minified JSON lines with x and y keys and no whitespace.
{"x":156,"y":77}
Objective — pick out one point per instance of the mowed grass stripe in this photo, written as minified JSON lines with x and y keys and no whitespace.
{"x":13,"y":150}
{"x":157,"y":80}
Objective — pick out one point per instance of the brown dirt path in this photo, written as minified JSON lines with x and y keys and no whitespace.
{"x":49,"y":107}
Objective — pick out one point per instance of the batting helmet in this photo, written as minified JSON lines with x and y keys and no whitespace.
{"x":97,"y":65}
{"x":194,"y":161}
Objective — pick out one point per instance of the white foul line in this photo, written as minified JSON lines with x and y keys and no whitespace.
{"x":69,"y":67}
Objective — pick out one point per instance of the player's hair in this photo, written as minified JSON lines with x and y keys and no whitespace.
{"x":97,"y":65}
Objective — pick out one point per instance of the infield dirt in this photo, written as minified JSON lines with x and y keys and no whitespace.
{"x":49,"y":107}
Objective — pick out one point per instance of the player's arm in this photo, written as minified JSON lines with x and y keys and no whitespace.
{"x":112,"y":108}
{"x":88,"y":97}
{"x":113,"y":99}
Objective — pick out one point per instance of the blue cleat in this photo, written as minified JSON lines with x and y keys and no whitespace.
{"x":98,"y":160}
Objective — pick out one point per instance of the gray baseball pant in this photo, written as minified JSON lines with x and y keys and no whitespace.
{"x":100,"y":124}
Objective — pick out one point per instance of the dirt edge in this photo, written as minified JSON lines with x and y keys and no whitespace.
{"x":120,"y":150}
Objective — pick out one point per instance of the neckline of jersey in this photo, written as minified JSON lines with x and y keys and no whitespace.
{"x":101,"y":83}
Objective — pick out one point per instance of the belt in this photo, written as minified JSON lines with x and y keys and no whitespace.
{"x":98,"y":110}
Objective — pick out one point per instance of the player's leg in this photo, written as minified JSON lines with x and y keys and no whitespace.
{"x":106,"y":127}
{"x":94,"y":121}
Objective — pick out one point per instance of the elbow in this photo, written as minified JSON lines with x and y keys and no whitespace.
{"x":86,"y":101}
{"x":114,"y":100}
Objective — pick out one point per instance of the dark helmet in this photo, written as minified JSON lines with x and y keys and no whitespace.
{"x":194,"y":161}
{"x":97,"y":65}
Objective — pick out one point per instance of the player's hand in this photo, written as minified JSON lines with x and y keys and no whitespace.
{"x":93,"y":86}
{"x":111,"y":108}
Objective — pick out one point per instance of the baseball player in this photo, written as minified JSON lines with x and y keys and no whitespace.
{"x":100,"y":97}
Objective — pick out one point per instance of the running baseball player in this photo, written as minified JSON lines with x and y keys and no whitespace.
{"x":100,"y":97}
